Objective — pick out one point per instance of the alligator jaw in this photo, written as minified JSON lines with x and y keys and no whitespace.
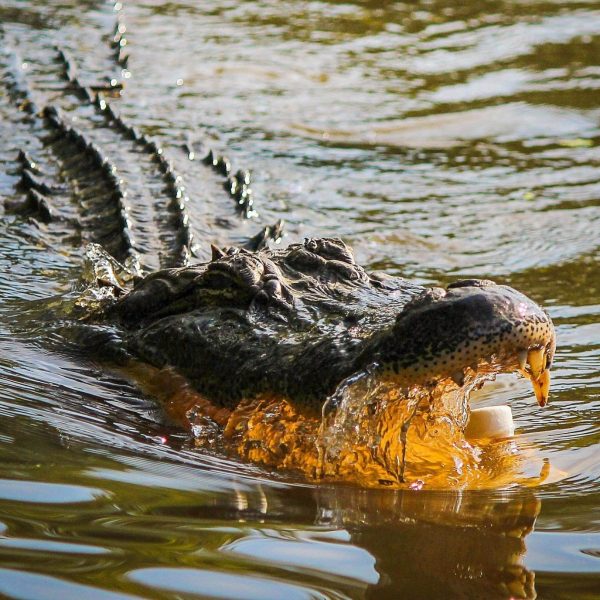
{"x":471,"y":327}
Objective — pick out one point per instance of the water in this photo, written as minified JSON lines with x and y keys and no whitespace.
{"x":440,"y":140}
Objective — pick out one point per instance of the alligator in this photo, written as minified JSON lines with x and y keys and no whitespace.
{"x":297,"y":357}
{"x":277,"y":346}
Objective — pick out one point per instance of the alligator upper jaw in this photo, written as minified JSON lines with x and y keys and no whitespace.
{"x":471,"y":327}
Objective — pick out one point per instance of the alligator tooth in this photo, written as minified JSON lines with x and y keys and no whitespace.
{"x":536,"y":359}
{"x":517,"y":589}
{"x":541,"y":387}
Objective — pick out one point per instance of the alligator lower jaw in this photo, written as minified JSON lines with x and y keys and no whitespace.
{"x":382,"y":428}
{"x":366,"y":443}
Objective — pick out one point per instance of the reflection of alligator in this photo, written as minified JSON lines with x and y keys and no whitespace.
{"x":451,"y":546}
{"x":414,"y":545}
{"x":265,"y":336}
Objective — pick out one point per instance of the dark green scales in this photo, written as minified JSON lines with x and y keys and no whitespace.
{"x":297,"y":322}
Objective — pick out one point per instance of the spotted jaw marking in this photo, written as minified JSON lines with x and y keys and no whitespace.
{"x":471,"y":327}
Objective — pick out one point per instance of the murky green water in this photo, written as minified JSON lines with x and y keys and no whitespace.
{"x":442,"y":139}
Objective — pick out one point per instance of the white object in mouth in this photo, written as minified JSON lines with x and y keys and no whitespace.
{"x":492,"y":422}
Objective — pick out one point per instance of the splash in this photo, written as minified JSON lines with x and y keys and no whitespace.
{"x":376,"y":433}
{"x":372,"y":432}
{"x":395,"y":435}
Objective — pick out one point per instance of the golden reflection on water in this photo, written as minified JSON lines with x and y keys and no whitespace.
{"x":456,"y":544}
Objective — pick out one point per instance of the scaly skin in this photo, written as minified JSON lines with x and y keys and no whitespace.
{"x":297,"y":322}
{"x":267,"y":346}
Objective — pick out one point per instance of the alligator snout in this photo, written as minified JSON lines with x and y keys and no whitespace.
{"x":473,"y":324}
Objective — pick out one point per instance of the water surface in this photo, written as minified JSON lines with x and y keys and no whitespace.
{"x":441,"y":140}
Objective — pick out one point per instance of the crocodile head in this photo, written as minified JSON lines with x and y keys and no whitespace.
{"x":298,"y":345}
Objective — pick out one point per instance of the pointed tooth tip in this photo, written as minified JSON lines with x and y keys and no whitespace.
{"x":541,"y":387}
